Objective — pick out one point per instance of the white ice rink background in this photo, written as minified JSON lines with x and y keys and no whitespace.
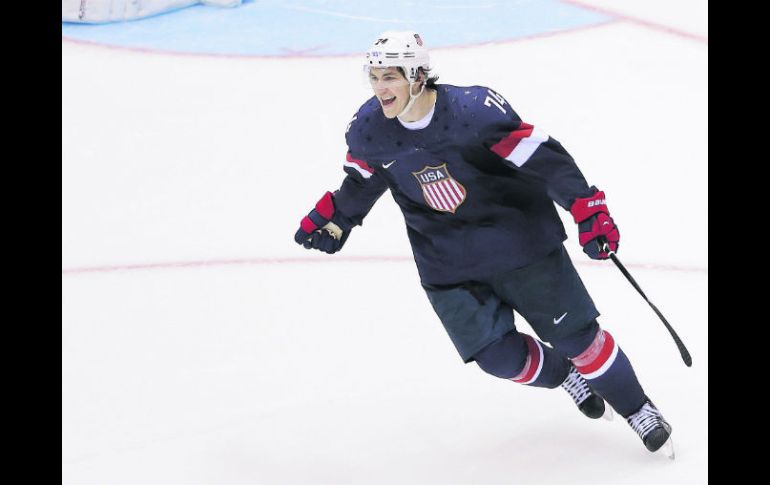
{"x":201,"y":345}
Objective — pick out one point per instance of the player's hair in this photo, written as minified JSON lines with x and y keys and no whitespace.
{"x":430,"y":81}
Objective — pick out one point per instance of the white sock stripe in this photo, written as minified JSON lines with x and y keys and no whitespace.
{"x":539,"y":365}
{"x":601,"y":370}
{"x":592,"y":352}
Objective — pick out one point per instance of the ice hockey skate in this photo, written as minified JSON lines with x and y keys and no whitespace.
{"x":654,"y":431}
{"x":589,"y":403}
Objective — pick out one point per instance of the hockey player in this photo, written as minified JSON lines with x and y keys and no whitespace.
{"x":477,"y":187}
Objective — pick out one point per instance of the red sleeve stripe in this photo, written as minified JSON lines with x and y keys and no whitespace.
{"x":520,"y":144}
{"x":359,"y":166}
{"x":598,"y":357}
{"x":534,"y":363}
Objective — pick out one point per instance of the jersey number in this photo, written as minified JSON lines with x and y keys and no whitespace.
{"x":496,"y":99}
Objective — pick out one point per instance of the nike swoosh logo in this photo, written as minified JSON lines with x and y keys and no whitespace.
{"x":556,"y":322}
{"x":386,"y":165}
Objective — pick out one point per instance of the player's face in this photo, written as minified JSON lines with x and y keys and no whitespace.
{"x":391,"y":89}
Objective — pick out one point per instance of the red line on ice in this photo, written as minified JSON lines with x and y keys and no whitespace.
{"x":161,"y":265}
{"x":147,"y":50}
{"x":636,"y":20}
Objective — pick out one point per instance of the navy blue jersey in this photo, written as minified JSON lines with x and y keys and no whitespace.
{"x":477,"y":186}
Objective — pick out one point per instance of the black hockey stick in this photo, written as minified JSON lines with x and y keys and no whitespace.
{"x":604,"y":246}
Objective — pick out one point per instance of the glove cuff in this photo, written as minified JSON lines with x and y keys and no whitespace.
{"x":325,"y":206}
{"x":318,"y":217}
{"x":586,"y":207}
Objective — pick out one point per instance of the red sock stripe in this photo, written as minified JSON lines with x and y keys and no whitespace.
{"x":533,"y":361}
{"x":596,"y":355}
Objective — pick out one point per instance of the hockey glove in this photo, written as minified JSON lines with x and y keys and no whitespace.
{"x":593,"y":220}
{"x":324,"y":228}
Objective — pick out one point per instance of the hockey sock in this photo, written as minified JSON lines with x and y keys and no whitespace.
{"x":525,"y":360}
{"x":606,"y":367}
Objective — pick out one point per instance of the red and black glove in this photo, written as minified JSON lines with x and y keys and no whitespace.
{"x":324,"y":228}
{"x":594,"y":221}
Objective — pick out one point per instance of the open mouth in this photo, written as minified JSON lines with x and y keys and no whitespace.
{"x":387,"y":102}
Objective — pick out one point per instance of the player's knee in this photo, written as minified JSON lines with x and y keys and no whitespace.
{"x":504,"y":358}
{"x":578,"y":342}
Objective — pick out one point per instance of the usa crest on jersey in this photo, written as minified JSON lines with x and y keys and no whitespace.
{"x":441,"y":191}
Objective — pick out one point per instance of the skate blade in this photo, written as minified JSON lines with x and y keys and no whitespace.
{"x":668,"y":449}
{"x":608,"y":414}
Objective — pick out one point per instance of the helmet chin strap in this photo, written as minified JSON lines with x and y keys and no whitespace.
{"x":412,"y":99}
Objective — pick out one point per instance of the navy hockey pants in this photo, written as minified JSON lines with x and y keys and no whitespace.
{"x":549,"y":294}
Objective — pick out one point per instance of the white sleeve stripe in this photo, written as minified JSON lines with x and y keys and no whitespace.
{"x":527,"y":146}
{"x":358,"y":169}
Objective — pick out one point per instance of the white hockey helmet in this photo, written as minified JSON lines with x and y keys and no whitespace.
{"x":403,"y":49}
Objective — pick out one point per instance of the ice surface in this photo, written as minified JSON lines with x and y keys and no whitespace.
{"x":291,"y":367}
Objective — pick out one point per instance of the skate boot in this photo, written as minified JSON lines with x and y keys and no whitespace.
{"x":654,"y":431}
{"x":589,"y":403}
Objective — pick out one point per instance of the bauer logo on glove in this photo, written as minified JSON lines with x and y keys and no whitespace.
{"x":593,"y":219}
